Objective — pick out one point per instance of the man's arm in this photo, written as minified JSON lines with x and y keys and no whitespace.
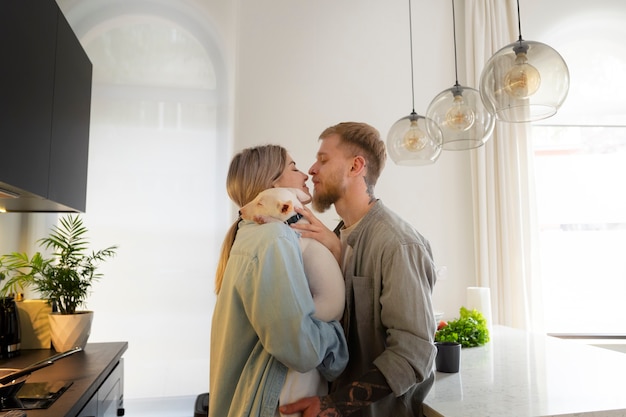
{"x":371,"y":387}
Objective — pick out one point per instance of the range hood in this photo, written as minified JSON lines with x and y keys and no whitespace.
{"x":13,"y":199}
{"x":45,"y":79}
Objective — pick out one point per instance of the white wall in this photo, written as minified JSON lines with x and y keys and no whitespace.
{"x":303,"y":66}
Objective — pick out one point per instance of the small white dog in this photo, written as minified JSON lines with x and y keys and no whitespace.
{"x":323,"y":274}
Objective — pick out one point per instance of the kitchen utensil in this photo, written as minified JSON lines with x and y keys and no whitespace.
{"x":35,"y":366}
{"x":10,"y":389}
{"x":9,"y":328}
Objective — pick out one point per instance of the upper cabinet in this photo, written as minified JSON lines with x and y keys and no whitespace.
{"x":45,"y":102}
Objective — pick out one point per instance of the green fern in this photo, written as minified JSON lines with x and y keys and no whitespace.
{"x":63,"y":279}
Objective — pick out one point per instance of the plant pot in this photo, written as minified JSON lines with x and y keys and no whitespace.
{"x":448,"y":357}
{"x":70,"y":330}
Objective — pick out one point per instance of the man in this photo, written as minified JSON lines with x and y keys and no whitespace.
{"x":389,"y":274}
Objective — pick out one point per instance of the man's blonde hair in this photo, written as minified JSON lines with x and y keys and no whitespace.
{"x":362,"y":139}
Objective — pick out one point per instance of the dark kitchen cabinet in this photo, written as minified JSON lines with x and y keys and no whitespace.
{"x":45,"y":101}
{"x":108,"y":401}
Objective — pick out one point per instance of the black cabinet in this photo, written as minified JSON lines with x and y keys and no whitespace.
{"x":108,"y":401}
{"x":45,"y":101}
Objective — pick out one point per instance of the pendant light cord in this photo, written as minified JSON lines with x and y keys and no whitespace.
{"x":456,"y":71}
{"x":519,"y":23}
{"x":411,"y":45}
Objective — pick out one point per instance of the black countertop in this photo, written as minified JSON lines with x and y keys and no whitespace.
{"x":87,"y":370}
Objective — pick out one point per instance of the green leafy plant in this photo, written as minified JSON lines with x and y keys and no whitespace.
{"x":63,"y":279}
{"x":470,"y":329}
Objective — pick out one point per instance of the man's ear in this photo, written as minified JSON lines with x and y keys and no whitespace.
{"x":358,"y":165}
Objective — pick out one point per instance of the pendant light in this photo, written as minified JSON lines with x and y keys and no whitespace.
{"x":524,"y":81}
{"x":414,"y":139}
{"x":460,"y":113}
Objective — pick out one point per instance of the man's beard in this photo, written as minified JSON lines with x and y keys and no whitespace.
{"x":323,"y":200}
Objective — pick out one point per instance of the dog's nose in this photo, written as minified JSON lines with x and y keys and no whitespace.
{"x":239,"y":212}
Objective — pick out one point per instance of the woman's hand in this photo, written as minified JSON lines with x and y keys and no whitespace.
{"x":318,"y":231}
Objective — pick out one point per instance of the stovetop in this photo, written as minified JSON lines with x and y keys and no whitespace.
{"x":35,"y":395}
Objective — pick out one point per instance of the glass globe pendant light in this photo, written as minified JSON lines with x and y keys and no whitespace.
{"x":459,"y":111}
{"x":524,"y":81}
{"x":414,"y":139}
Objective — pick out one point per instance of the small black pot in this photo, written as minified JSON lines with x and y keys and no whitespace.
{"x":448,"y":357}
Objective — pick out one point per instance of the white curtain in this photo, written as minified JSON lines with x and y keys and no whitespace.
{"x":504,"y":211}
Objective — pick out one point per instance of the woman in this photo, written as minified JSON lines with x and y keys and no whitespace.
{"x":263,"y":321}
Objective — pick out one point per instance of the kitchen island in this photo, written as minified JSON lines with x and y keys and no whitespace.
{"x":95,"y":374}
{"x":519,"y":374}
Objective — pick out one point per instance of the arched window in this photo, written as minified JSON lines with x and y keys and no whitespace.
{"x":157,"y":162}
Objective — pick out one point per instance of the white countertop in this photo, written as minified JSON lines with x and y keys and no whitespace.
{"x":518,"y":374}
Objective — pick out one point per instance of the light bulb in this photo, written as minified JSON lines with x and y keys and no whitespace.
{"x":459,"y":116}
{"x":522,"y":80}
{"x":414,"y":139}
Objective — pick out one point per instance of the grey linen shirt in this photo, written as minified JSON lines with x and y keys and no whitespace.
{"x":389,"y":319}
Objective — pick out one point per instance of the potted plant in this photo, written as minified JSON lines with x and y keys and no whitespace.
{"x":469,"y":330}
{"x":64,"y":279}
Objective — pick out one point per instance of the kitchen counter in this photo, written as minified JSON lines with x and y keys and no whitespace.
{"x":87,"y":370}
{"x":518,"y":374}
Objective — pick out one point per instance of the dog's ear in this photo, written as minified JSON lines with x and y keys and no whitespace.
{"x":286,"y":207}
{"x":302,"y":196}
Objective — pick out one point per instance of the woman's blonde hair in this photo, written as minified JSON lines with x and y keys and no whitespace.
{"x":251,"y":171}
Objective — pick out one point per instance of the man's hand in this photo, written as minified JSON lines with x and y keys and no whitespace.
{"x":312,"y":407}
{"x":309,"y":407}
{"x":318,"y":231}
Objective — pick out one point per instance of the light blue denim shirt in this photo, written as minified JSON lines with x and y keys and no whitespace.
{"x":263,"y":323}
